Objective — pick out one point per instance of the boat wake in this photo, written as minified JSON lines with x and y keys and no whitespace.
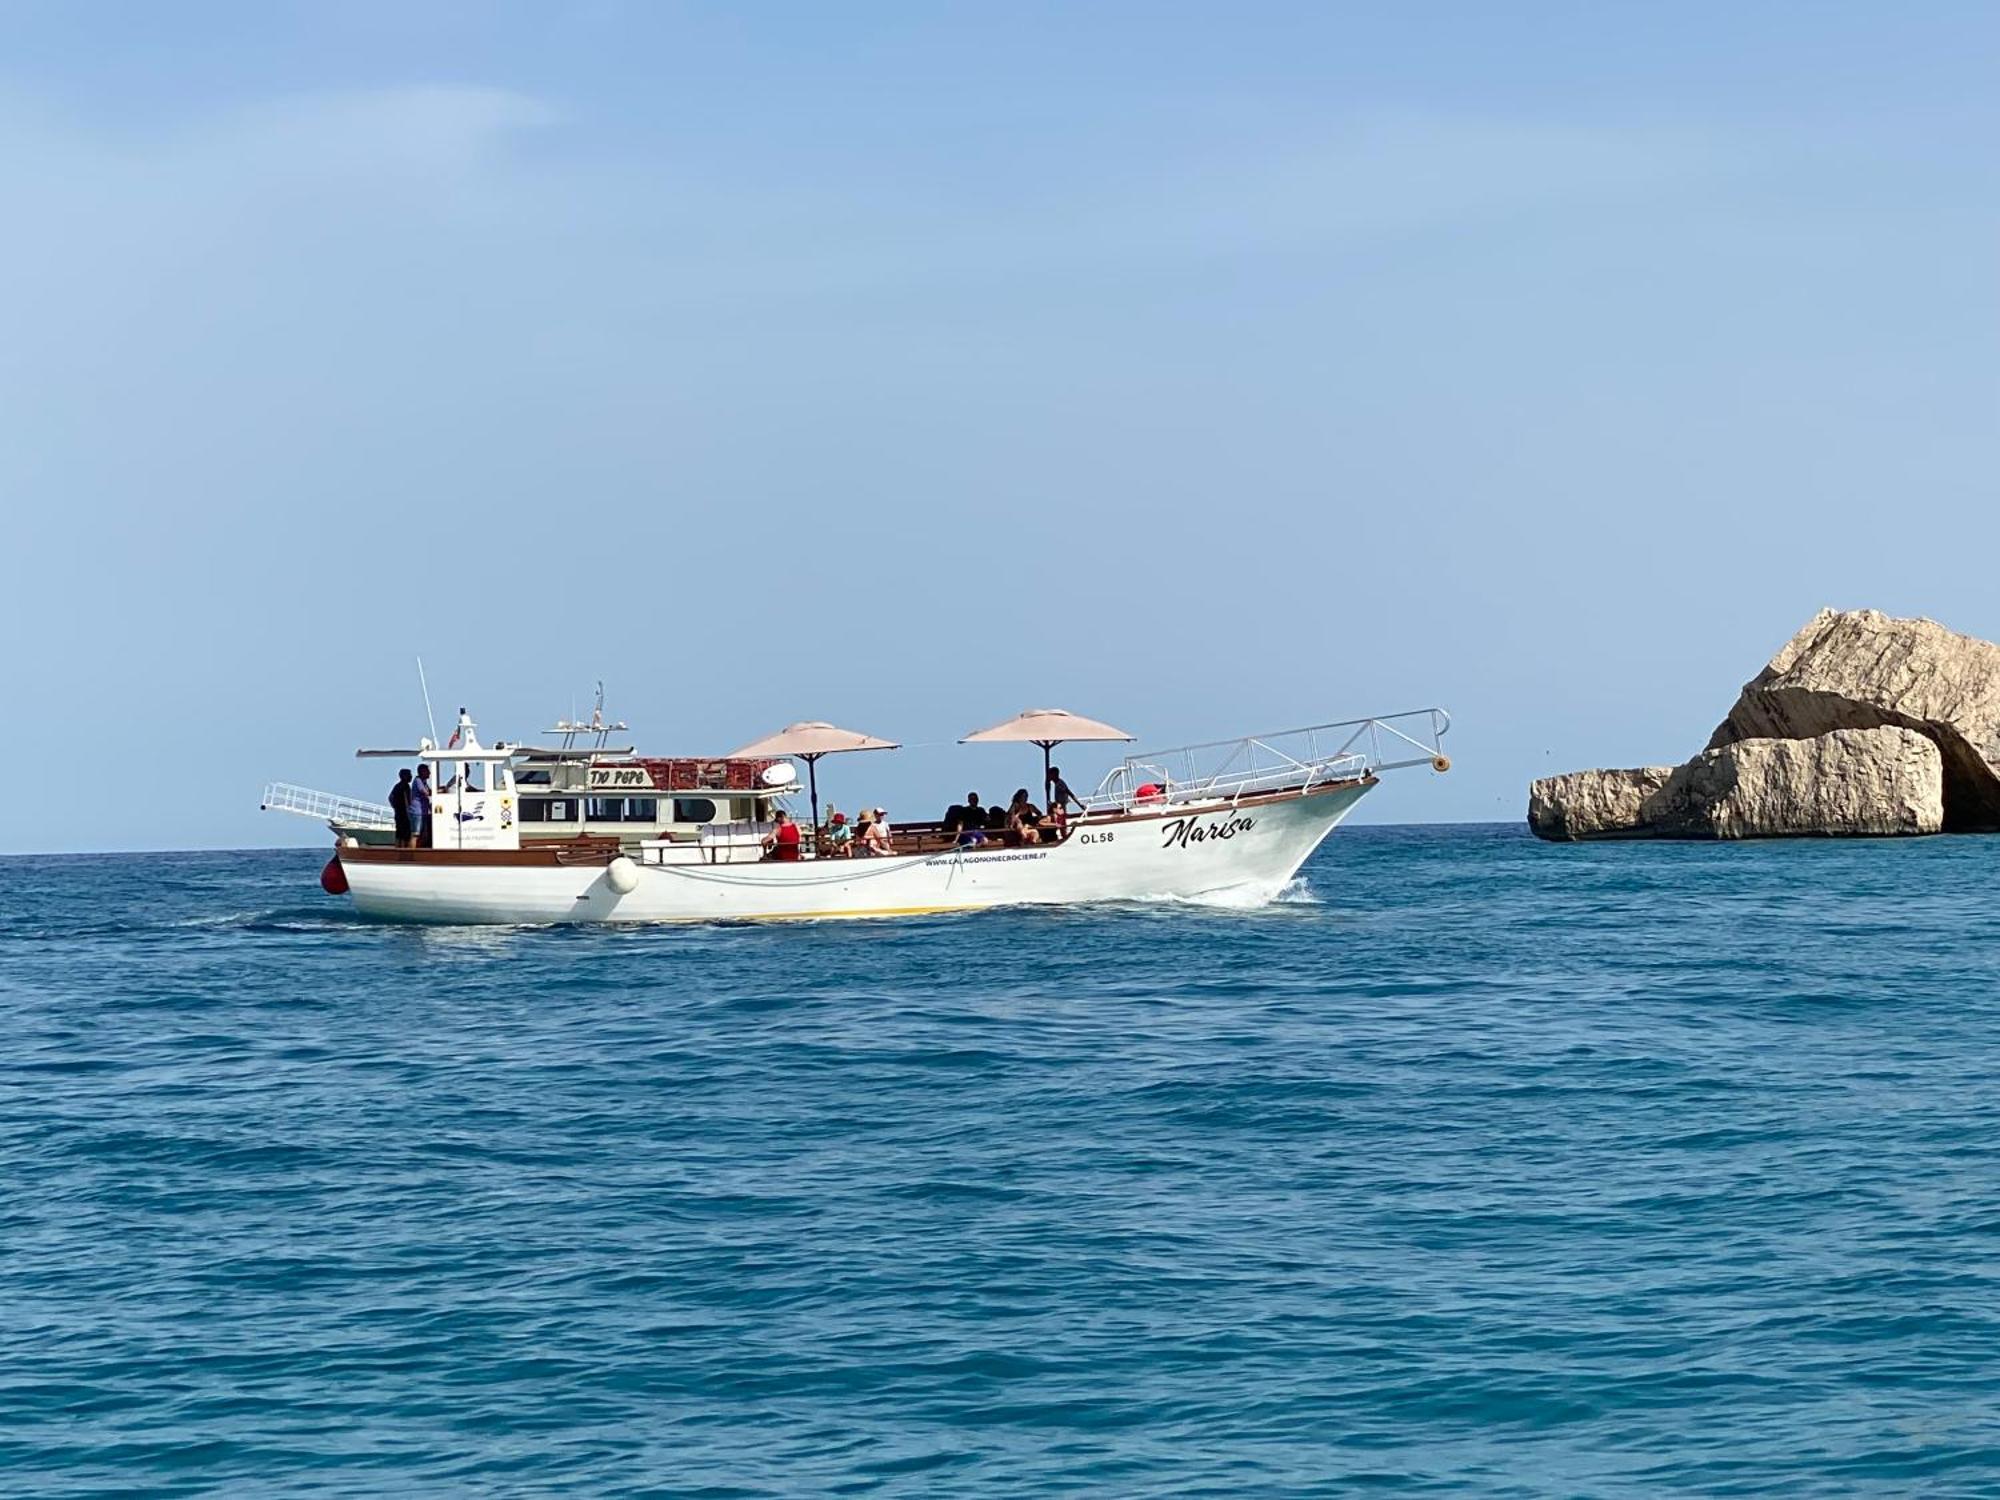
{"x":1294,"y":892}
{"x":272,"y":919}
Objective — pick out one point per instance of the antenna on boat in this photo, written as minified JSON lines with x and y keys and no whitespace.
{"x":425,"y":685}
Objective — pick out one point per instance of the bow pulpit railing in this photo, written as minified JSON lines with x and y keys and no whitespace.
{"x":1288,"y":760}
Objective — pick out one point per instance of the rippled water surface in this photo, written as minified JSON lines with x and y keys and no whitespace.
{"x":1481,"y":1167}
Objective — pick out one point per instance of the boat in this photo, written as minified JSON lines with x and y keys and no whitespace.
{"x":1227,"y":822}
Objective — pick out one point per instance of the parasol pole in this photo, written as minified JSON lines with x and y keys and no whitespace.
{"x":812,"y":780}
{"x":1047,"y":746}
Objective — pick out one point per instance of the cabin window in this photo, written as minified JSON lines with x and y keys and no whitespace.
{"x":622,"y":809}
{"x":694,"y":810}
{"x":547,"y":810}
{"x":531,"y":778}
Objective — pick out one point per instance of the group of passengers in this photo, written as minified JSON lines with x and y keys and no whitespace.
{"x":1019,"y":823}
{"x":867,"y":836}
{"x":966,"y":824}
{"x":410,"y":803}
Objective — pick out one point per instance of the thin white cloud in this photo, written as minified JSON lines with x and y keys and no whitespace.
{"x":425,"y":129}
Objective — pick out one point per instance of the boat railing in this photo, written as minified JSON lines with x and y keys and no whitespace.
{"x":282,"y":796}
{"x":1295,"y":760}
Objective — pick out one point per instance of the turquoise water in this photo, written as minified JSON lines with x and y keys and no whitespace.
{"x":1482,"y":1167}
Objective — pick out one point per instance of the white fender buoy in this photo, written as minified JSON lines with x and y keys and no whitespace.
{"x":622,"y":876}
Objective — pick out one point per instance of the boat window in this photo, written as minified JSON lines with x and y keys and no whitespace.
{"x":694,"y":810}
{"x":547,"y":810}
{"x":622,"y":809}
{"x":531,"y":778}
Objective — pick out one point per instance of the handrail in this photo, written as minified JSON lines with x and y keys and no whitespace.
{"x":1285,"y":760}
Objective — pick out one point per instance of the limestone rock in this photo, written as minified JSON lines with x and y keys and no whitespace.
{"x":1858,"y":669}
{"x":1596,"y":804}
{"x":1847,"y":782}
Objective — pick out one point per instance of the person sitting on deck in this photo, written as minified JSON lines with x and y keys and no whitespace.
{"x":1057,"y":824}
{"x":879,"y":841}
{"x":997,"y":819}
{"x":1023,"y":819}
{"x":839,"y":837}
{"x":966,"y":820}
{"x":782,"y":842}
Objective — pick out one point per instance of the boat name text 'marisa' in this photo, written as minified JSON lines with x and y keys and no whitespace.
{"x":1180,"y":832}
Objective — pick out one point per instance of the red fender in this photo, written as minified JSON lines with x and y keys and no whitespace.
{"x":333,"y":879}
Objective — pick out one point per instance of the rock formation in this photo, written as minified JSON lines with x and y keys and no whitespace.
{"x":1848,"y":781}
{"x":1861,"y":724}
{"x":1859,"y":669}
{"x":1598,"y":804}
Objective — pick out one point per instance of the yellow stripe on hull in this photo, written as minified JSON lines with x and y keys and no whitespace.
{"x":838,"y":916}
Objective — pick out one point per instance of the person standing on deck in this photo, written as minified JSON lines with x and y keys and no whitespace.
{"x":399,"y":804}
{"x":420,"y":806}
{"x":1057,"y":793}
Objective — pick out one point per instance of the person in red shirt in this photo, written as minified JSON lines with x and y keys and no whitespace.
{"x":782,"y":842}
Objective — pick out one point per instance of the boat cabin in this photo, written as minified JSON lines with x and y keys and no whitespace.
{"x":569,"y":791}
{"x":616,"y":794}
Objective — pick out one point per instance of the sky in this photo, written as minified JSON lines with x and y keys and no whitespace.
{"x":1208,"y":369}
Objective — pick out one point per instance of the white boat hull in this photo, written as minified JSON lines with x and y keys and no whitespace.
{"x":1240,"y":853}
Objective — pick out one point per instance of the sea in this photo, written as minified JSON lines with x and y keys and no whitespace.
{"x":1473,"y":1166}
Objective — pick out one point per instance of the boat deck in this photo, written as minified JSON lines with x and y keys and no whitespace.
{"x":909,"y":839}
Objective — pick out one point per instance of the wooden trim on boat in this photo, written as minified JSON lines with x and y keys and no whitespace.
{"x":541,"y":854}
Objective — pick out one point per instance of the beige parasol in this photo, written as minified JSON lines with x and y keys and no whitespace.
{"x":808,"y":742}
{"x":1047,"y":727}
